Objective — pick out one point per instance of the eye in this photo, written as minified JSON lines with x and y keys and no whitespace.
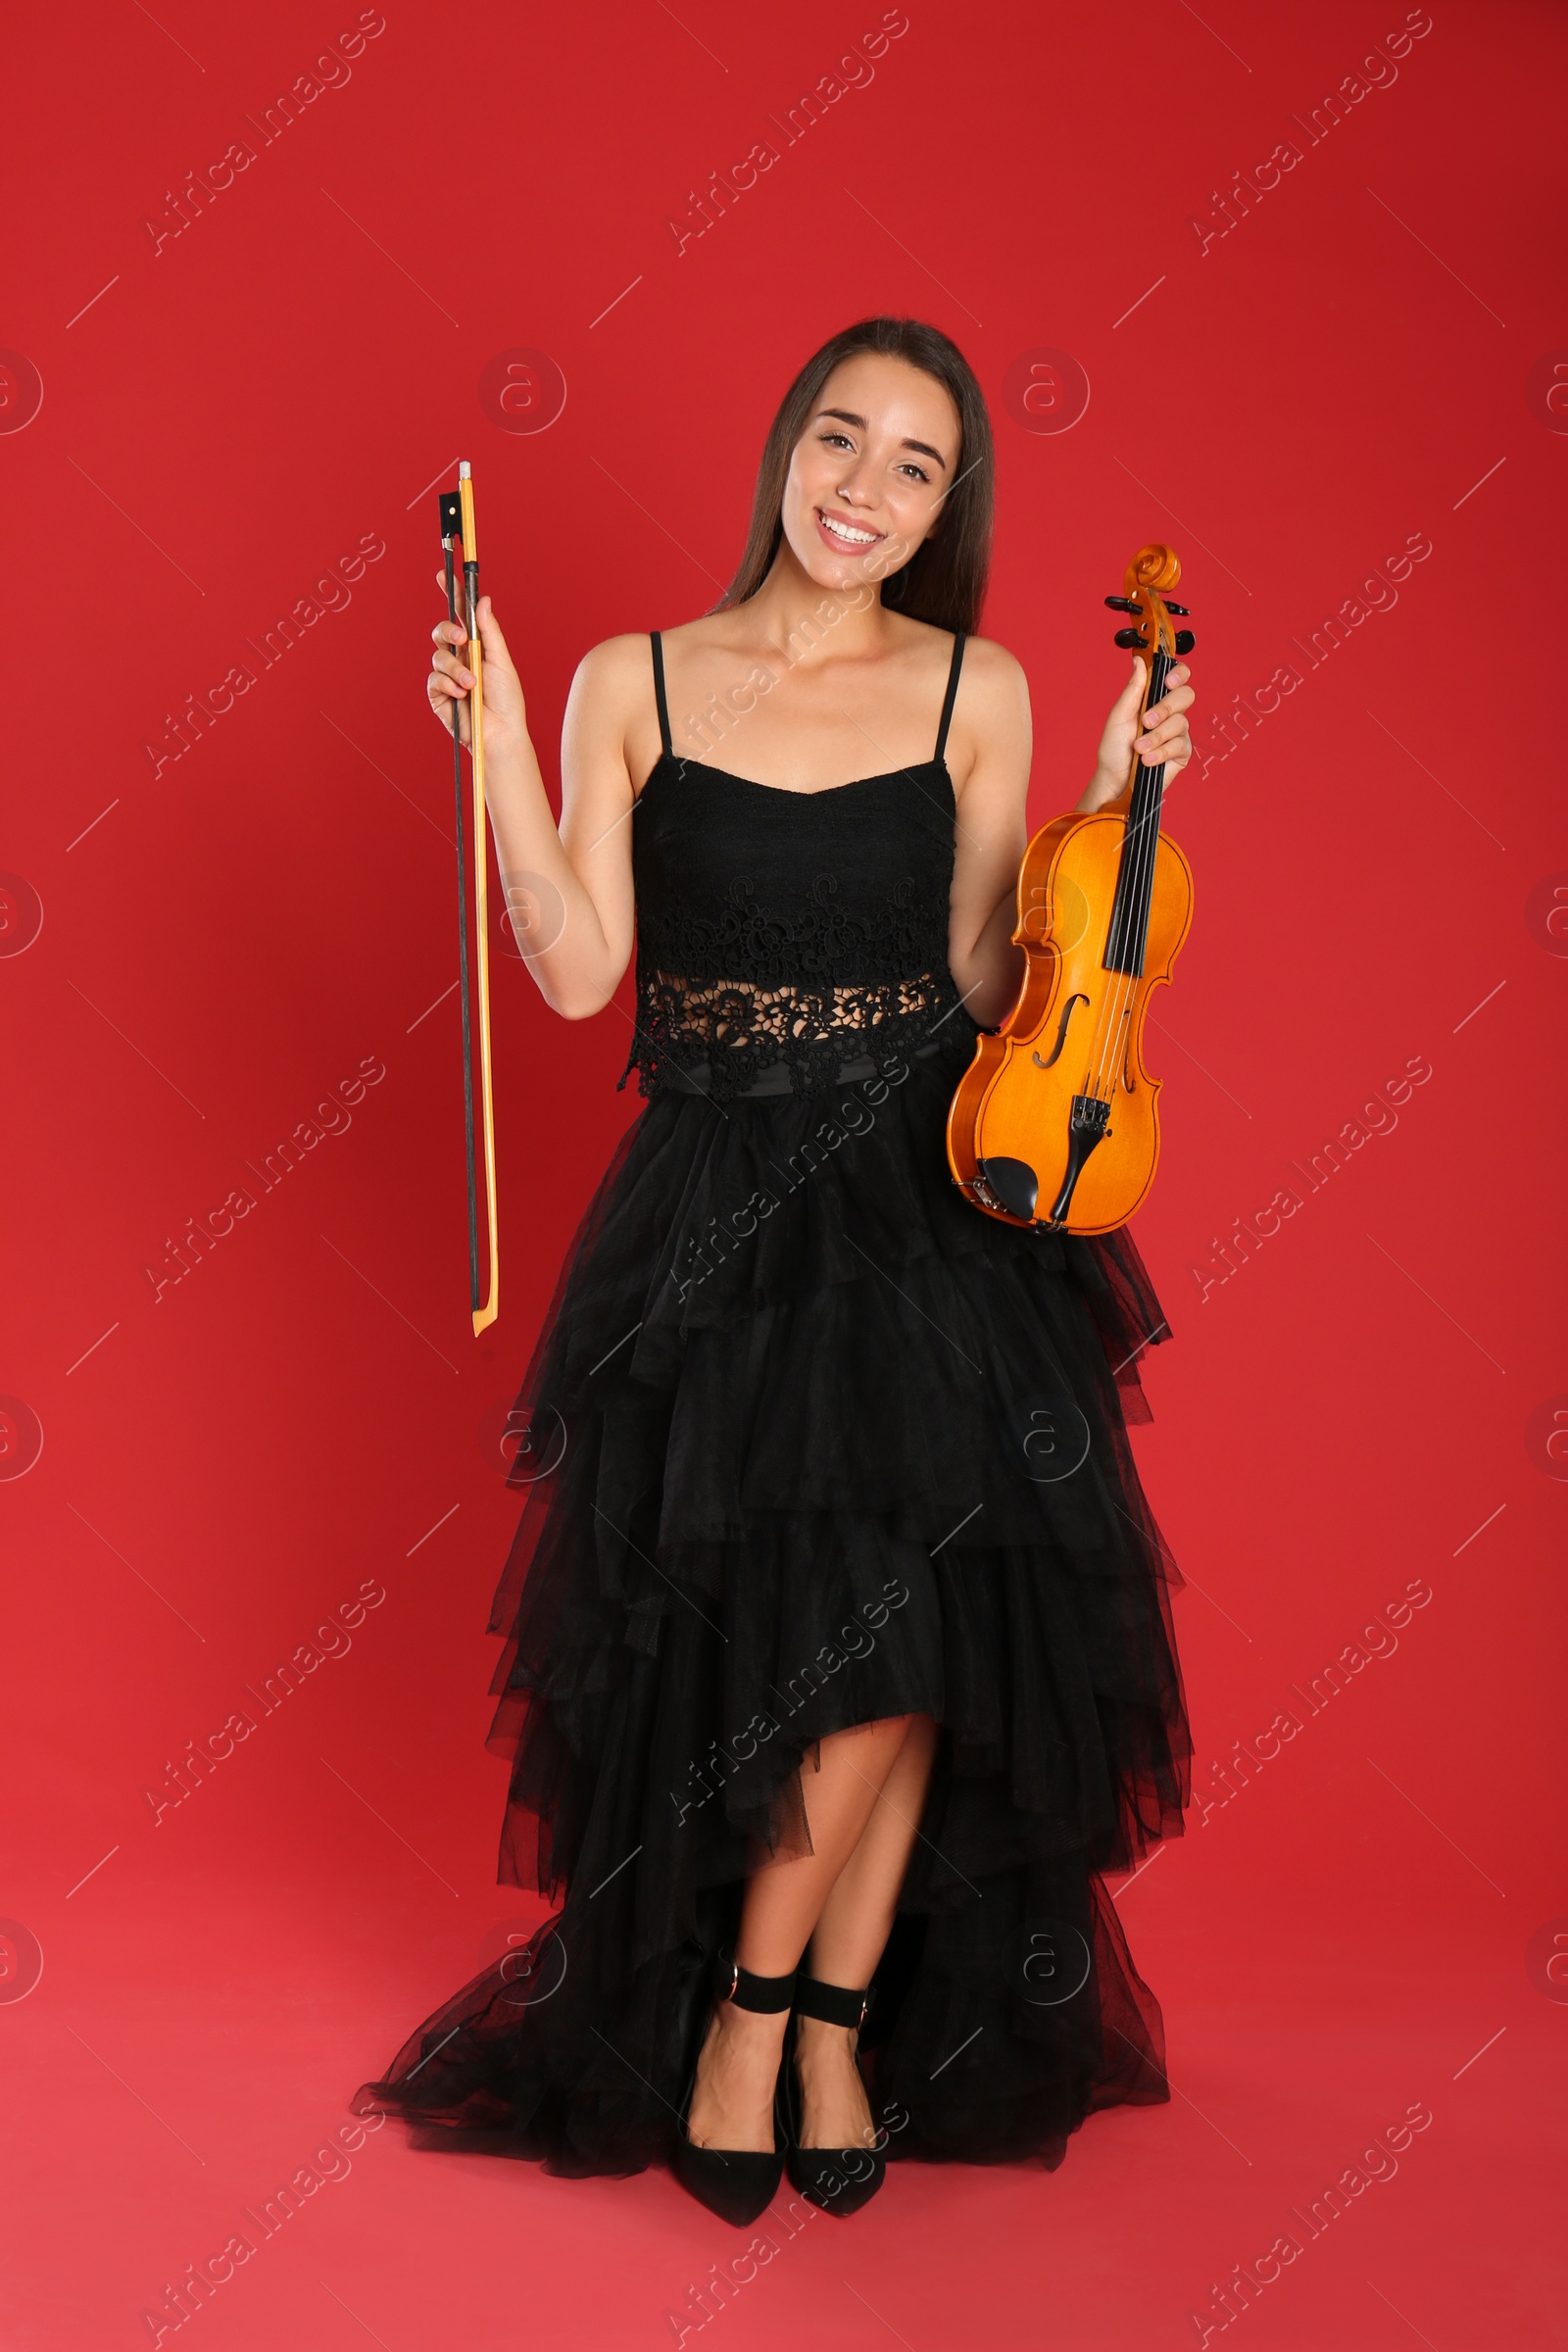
{"x":834,"y":435}
{"x":919,"y":472}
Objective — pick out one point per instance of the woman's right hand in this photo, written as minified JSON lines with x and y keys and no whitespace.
{"x":451,"y":682}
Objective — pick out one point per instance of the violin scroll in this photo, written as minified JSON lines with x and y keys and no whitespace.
{"x":1152,"y":571}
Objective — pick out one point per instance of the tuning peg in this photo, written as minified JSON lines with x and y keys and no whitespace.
{"x":1127,"y":639}
{"x":1123,"y":603}
{"x":1182,"y":609}
{"x":1185,"y":642}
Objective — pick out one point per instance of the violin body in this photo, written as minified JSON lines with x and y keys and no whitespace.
{"x":1055,"y":1123}
{"x":1014,"y":1104}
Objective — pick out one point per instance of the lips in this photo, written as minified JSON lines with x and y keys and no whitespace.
{"x":850,"y":539}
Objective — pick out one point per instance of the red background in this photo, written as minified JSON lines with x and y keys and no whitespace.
{"x":1365,"y":1403}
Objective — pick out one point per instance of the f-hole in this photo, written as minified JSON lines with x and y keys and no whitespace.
{"x":1062,"y":1033}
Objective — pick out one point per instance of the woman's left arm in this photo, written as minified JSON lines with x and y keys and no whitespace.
{"x":989,"y":751}
{"x":991,"y":739}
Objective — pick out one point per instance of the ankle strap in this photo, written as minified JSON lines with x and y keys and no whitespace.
{"x":831,"y":2003}
{"x":748,"y":1992}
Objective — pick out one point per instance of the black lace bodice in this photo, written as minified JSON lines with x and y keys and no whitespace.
{"x":784,"y":935}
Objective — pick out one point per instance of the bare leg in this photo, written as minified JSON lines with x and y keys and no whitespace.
{"x":854,"y":1923}
{"x":732,"y":2105}
{"x":849,"y":1940}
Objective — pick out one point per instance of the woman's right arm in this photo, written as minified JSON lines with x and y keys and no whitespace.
{"x":569,"y":887}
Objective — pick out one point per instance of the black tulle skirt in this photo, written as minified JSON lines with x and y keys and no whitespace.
{"x":812,"y":1442}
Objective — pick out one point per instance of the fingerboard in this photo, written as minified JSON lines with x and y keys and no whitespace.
{"x":1128,"y":934}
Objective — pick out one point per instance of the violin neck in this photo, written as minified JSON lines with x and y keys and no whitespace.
{"x":1128,"y":934}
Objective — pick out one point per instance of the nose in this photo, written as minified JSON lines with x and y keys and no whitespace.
{"x":855,"y":485}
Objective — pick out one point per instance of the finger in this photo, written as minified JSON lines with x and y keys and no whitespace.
{"x":490,"y":637}
{"x":449,"y":708}
{"x":1168,"y":730}
{"x":1179,"y":699}
{"x":446,"y":666}
{"x":449,"y":632}
{"x":1127,"y":699}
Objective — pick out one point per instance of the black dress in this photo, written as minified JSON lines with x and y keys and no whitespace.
{"x":812,"y":1442}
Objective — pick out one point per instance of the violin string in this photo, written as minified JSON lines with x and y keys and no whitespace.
{"x":1096,"y":1056}
{"x":1144,"y":848}
{"x":1102,"y":1042}
{"x":1105,"y":1027}
{"x":1095,"y":1066}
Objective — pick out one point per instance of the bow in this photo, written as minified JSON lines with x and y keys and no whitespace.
{"x":457,"y":528}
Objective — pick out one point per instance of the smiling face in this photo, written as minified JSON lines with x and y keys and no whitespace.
{"x":866,"y":480}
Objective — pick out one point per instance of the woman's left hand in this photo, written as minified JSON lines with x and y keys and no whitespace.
{"x":1163,"y":736}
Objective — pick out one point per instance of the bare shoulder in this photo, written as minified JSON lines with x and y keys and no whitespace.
{"x":995,"y":678}
{"x":708,"y":628}
{"x":618,"y":669}
{"x":990,"y":678}
{"x":608,"y":710}
{"x":992,"y":728}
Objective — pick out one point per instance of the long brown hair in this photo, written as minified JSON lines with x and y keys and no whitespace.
{"x":944,"y":580}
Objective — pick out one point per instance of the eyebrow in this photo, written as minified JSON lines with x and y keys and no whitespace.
{"x":848,"y":416}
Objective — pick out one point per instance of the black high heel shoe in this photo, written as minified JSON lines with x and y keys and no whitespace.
{"x":839,"y":2179}
{"x":735,"y":2183}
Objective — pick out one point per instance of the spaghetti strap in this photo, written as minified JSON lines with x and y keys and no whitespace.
{"x":952,"y":695}
{"x":658,"y":693}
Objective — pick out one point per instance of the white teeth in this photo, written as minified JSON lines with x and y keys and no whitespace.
{"x":849,"y":534}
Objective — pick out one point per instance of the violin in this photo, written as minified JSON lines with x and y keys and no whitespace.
{"x":1055,"y":1123}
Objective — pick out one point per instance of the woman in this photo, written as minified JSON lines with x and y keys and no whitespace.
{"x":838,"y":1644}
